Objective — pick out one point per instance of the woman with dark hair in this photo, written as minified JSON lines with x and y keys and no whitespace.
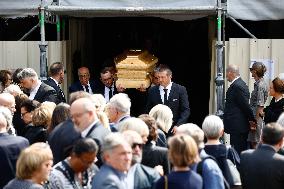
{"x":60,"y":113}
{"x":5,"y":79}
{"x":154,"y":155}
{"x":258,"y":98}
{"x":27,"y":107}
{"x":276,"y":106}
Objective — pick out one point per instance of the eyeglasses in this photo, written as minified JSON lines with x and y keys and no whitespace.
{"x":134,"y":145}
{"x":23,"y":114}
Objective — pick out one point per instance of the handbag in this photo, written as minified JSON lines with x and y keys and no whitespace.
{"x":166,"y":182}
{"x":231,"y":173}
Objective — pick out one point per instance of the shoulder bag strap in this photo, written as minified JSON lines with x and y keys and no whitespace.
{"x":166,"y":182}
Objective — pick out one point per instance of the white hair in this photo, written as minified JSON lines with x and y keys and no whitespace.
{"x":212,"y":126}
{"x":27,"y":73}
{"x":121,"y":102}
{"x":13,"y":90}
{"x":194,"y":131}
{"x":134,"y":124}
{"x":163,"y":116}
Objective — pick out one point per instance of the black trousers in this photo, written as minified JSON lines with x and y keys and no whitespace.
{"x":239,"y":141}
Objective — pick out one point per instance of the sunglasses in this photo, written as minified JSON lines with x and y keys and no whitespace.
{"x":140,"y":145}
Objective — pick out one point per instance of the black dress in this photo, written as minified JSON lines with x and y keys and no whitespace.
{"x":273,"y":111}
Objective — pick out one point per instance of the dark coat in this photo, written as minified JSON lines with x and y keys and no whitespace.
{"x":59,"y":92}
{"x":78,"y":87}
{"x":10,"y":148}
{"x":177,"y":102}
{"x":262,"y":168}
{"x":273,"y":111}
{"x":237,"y":112}
{"x":46,"y":93}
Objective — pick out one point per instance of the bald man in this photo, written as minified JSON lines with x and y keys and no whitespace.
{"x":84,"y":83}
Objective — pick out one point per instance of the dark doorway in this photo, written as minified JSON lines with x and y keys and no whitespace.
{"x":179,"y":44}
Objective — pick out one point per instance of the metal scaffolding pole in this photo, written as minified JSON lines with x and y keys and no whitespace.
{"x":42,"y":45}
{"x":219,"y":80}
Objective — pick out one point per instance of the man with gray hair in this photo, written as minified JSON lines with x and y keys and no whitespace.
{"x":117,"y":156}
{"x":238,"y":116}
{"x":118,"y":109}
{"x":7,"y":100}
{"x":38,"y":90}
{"x":210,"y":171}
{"x":10,"y":148}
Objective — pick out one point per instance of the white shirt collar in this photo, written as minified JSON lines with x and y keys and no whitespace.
{"x":130,"y":176}
{"x":54,"y":81}
{"x":235,"y":79}
{"x":34,"y":90}
{"x":86,"y":131}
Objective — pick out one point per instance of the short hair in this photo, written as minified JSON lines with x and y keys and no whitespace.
{"x":272,"y":133}
{"x":152,"y":126}
{"x":233,"y":68}
{"x":278,"y":85}
{"x":30,"y":105}
{"x":8,"y":116}
{"x":85,"y":145}
{"x":194,"y":131}
{"x":3,"y":121}
{"x":183,"y":150}
{"x":99,"y":100}
{"x":4,"y":76}
{"x":163,"y":116}
{"x":259,"y":68}
{"x":41,"y":117}
{"x":121,"y":102}
{"x":163,"y":67}
{"x":78,"y":94}
{"x":19,"y":100}
{"x":111,"y":141}
{"x":15,"y":76}
{"x":55,"y":68}
{"x":13,"y":89}
{"x":31,"y":159}
{"x":134,"y":124}
{"x":27,"y":73}
{"x":280,"y":119}
{"x":212,"y":126}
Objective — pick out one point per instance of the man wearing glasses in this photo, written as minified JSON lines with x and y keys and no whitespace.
{"x":84,"y":83}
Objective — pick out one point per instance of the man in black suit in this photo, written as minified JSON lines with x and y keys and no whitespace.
{"x":38,"y":90}
{"x":10,"y":148}
{"x":171,"y":94}
{"x":238,"y":115}
{"x":84,"y":83}
{"x":85,"y":119}
{"x":263,"y":168}
{"x":56,"y":73}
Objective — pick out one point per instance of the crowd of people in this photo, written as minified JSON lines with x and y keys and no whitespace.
{"x":94,"y":140}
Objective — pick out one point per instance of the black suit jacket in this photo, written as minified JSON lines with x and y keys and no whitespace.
{"x":60,"y":95}
{"x":78,"y":87}
{"x":262,"y":168}
{"x":46,"y":93}
{"x":10,"y":148}
{"x":237,"y":112}
{"x":177,"y":102}
{"x":62,"y":139}
{"x":100,"y":89}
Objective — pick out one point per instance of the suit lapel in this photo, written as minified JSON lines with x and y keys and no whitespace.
{"x":38,"y":93}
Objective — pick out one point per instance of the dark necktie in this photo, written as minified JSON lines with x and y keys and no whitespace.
{"x":165,"y":96}
{"x":61,"y":91}
{"x":87,"y":88}
{"x":110,"y":93}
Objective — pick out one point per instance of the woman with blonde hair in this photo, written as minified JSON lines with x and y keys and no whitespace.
{"x":33,"y":167}
{"x":183,"y":152}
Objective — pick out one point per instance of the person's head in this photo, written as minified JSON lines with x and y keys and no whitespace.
{"x":84,"y":75}
{"x":3,"y":120}
{"x":78,"y":94}
{"x":8,"y":100}
{"x":41,"y":116}
{"x":136,"y":143}
{"x":56,"y":71}
{"x":152,"y":126}
{"x":163,"y":116}
{"x":194,"y":131}
{"x":15,"y":76}
{"x":8,"y":117}
{"x":213,"y":127}
{"x":100,"y":101}
{"x":164,"y":75}
{"x":106,"y":76}
{"x":83,"y":154}
{"x":13,"y":90}
{"x":27,"y":108}
{"x":83,"y":113}
{"x":60,"y":113}
{"x":118,"y":106}
{"x":276,"y":87}
{"x":35,"y":163}
{"x":28,"y":78}
{"x":257,"y":70}
{"x":5,"y":78}
{"x":116,"y":152}
{"x":183,"y":150}
{"x":155,"y":76}
{"x":272,"y":134}
{"x":232,"y":72}
{"x":135,"y":124}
